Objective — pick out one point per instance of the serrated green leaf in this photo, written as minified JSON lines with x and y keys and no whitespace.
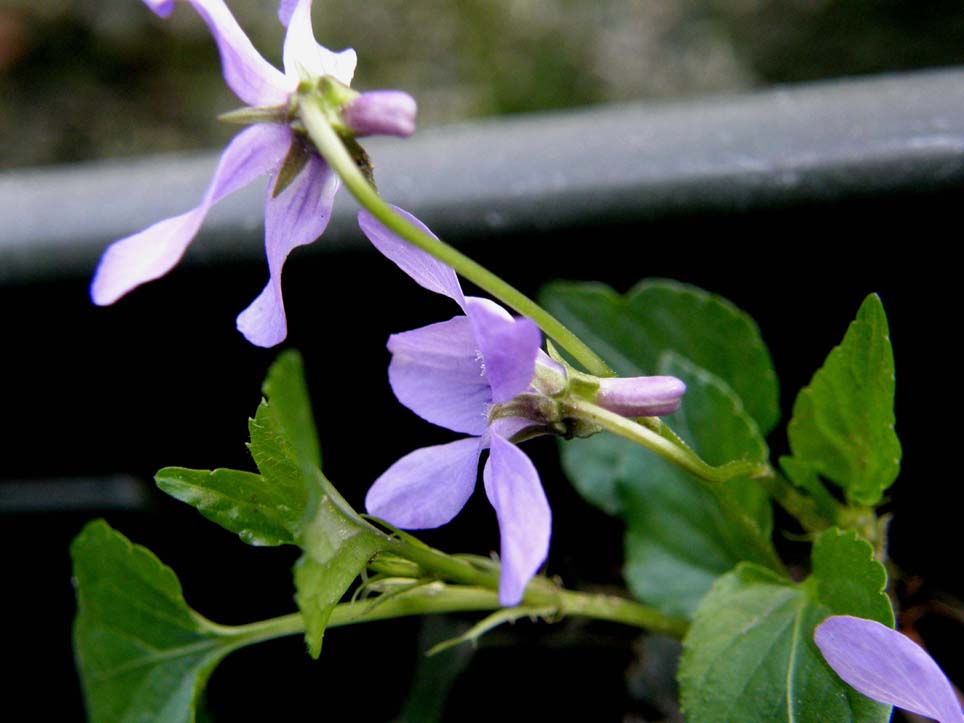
{"x":287,"y":391}
{"x":681,"y":533}
{"x":843,"y":422}
{"x":631,"y":332}
{"x":268,"y":508}
{"x":749,"y":655}
{"x":337,"y":546}
{"x":242,"y":502}
{"x":142,"y":653}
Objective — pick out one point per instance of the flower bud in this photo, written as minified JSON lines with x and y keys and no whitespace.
{"x":640,"y":396}
{"x":381,"y":112}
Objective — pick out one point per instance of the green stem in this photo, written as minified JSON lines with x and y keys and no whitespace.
{"x":331,"y":147}
{"x":661,"y":444}
{"x":803,"y":507}
{"x":542,"y":593}
{"x":438,"y":597}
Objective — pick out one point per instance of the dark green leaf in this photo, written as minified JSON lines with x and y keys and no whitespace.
{"x":843,"y":422}
{"x":242,"y":502}
{"x":286,"y":389}
{"x":750,"y":657}
{"x":270,"y":508}
{"x":337,"y":546}
{"x":632,"y":332}
{"x":142,"y":653}
{"x":681,"y":533}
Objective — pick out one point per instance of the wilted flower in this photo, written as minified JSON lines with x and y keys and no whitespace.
{"x":485,"y":375}
{"x":887,"y":666}
{"x":302,"y":187}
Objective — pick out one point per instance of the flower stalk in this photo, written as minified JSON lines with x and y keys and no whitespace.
{"x":670,"y":449}
{"x":332,"y":149}
{"x":440,"y":598}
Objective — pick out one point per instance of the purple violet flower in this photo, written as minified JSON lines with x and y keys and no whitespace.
{"x":295,"y":216}
{"x":887,"y":666}
{"x":485,"y":375}
{"x":450,"y":374}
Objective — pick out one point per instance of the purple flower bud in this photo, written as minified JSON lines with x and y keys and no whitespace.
{"x":381,"y":113}
{"x":640,"y":396}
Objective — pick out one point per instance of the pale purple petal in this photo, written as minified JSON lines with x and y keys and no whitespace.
{"x":285,"y":9}
{"x":513,"y":487}
{"x":381,"y":113}
{"x":436,"y":371}
{"x":640,"y":396}
{"x":427,"y":271}
{"x":887,"y":666}
{"x":304,"y":58}
{"x":509,"y":347}
{"x":427,"y":487}
{"x":151,"y":253}
{"x":161,"y":7}
{"x":297,"y":216}
{"x":252,"y":78}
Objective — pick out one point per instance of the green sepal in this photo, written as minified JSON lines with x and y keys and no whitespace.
{"x":142,"y":653}
{"x":294,"y":162}
{"x":843,"y":422}
{"x":656,"y":316}
{"x":750,"y":657}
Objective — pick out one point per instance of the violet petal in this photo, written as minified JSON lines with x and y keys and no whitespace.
{"x":427,"y":271}
{"x":153,"y":252}
{"x":296,"y":217}
{"x":887,"y":666}
{"x":285,"y":9}
{"x":509,"y":347}
{"x":640,"y":396}
{"x":252,"y":78}
{"x":381,"y":113}
{"x":304,"y":58}
{"x":426,"y":488}
{"x":437,"y":373}
{"x":513,"y":487}
{"x":163,"y":8}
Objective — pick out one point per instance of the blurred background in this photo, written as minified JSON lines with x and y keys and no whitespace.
{"x":96,"y":400}
{"x":82,"y":79}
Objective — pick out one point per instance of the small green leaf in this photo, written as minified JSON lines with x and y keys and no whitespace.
{"x":750,"y":657}
{"x":632,"y":332}
{"x":681,"y":533}
{"x":285,"y":387}
{"x":337,"y":547}
{"x":242,"y":502}
{"x":270,"y":508}
{"x":142,"y":653}
{"x":843,"y":422}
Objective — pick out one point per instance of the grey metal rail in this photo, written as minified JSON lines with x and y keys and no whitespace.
{"x":832,"y":140}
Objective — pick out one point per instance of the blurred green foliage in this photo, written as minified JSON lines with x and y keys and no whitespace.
{"x":86,"y":79}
